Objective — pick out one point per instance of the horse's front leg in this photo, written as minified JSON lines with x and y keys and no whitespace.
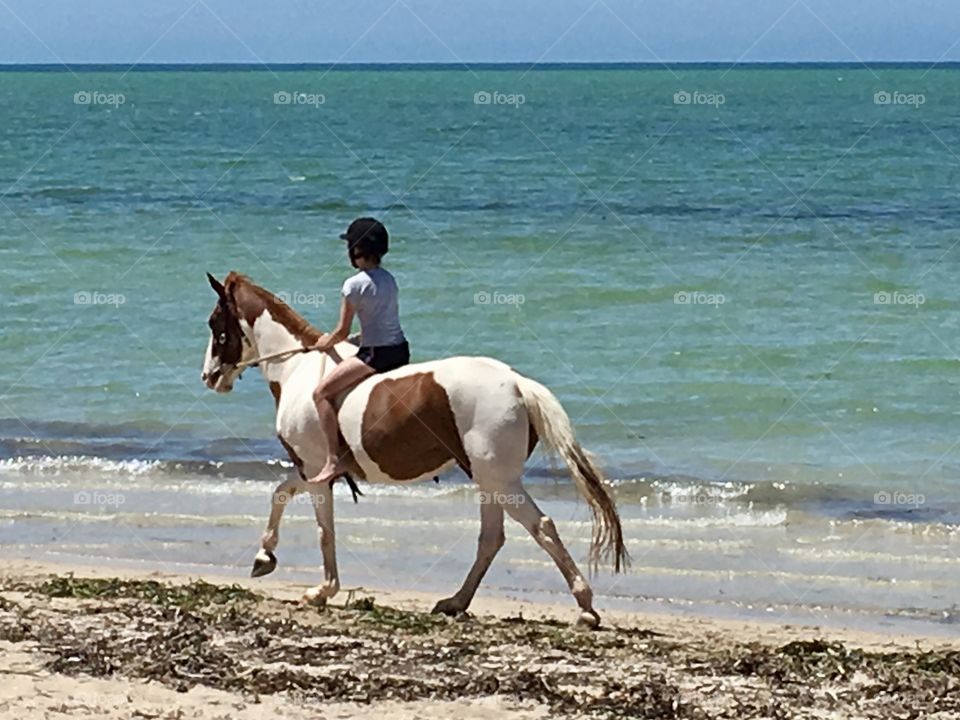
{"x":265,"y":561}
{"x":322,"y":496}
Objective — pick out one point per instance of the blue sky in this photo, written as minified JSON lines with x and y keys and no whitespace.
{"x":126,"y":31}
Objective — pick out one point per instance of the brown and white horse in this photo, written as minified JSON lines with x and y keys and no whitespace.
{"x":409,"y":424}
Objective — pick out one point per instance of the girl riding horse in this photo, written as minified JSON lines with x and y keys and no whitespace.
{"x":371,"y":295}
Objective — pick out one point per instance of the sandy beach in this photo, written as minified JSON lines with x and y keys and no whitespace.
{"x":86,"y":643}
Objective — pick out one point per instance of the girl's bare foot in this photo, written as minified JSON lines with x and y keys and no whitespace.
{"x":330,"y":472}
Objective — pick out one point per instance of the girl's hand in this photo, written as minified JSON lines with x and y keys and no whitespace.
{"x":328,"y":340}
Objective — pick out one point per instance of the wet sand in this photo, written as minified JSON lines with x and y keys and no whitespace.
{"x":83,"y":643}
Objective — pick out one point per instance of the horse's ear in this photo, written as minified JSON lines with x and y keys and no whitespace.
{"x":217,"y":287}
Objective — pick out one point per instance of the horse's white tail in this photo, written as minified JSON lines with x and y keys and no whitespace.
{"x":553,"y":426}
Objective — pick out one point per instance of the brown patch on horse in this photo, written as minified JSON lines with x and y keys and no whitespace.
{"x":532,"y":437}
{"x":294,"y":458}
{"x":223,"y":324}
{"x":250,"y":301}
{"x":408,"y":428}
{"x":532,"y":440}
{"x":275,"y":391}
{"x":348,"y":461}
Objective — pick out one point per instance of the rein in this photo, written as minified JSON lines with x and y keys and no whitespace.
{"x":284,"y":355}
{"x":280,"y":357}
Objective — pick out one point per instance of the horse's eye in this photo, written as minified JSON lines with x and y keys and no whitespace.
{"x":222,"y":339}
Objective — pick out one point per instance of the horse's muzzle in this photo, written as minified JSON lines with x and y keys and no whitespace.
{"x":211,"y":379}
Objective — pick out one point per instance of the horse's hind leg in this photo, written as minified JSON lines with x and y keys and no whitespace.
{"x":490,"y":542}
{"x":522,"y":508}
{"x":265,"y":561}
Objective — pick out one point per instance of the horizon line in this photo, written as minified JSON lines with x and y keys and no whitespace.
{"x":484,"y":65}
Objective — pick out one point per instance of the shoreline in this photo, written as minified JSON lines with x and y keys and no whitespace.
{"x":897,"y":581}
{"x":503,"y":607}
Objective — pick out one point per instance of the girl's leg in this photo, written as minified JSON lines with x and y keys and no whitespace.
{"x":347,"y":374}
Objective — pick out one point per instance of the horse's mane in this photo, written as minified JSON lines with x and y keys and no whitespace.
{"x":279,"y":310}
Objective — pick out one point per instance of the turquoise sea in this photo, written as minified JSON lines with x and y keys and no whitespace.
{"x":741,"y":283}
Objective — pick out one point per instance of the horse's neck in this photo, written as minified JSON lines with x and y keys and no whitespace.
{"x":271,"y":337}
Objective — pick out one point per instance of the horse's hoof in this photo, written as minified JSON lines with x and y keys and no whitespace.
{"x":314,"y":599}
{"x":447,"y":607}
{"x":264,"y":563}
{"x":589,"y":619}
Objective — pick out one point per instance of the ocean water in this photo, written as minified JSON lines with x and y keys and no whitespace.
{"x":740,"y":283}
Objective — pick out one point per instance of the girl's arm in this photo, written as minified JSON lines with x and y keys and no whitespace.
{"x":340,"y":332}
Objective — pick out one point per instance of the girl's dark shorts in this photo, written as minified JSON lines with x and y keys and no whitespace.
{"x":383,"y":358}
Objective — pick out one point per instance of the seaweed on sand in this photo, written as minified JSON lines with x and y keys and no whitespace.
{"x":193,"y":595}
{"x":235,"y":640}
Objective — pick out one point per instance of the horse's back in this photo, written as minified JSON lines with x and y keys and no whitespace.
{"x":417,"y":420}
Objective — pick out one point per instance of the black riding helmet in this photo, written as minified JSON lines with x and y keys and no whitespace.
{"x":366,"y":236}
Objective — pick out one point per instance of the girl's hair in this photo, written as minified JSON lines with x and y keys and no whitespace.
{"x":358,"y":251}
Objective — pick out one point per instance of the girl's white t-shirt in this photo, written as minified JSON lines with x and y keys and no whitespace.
{"x":373,"y":294}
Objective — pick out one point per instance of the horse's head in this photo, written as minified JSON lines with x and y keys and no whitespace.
{"x":228,"y":345}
